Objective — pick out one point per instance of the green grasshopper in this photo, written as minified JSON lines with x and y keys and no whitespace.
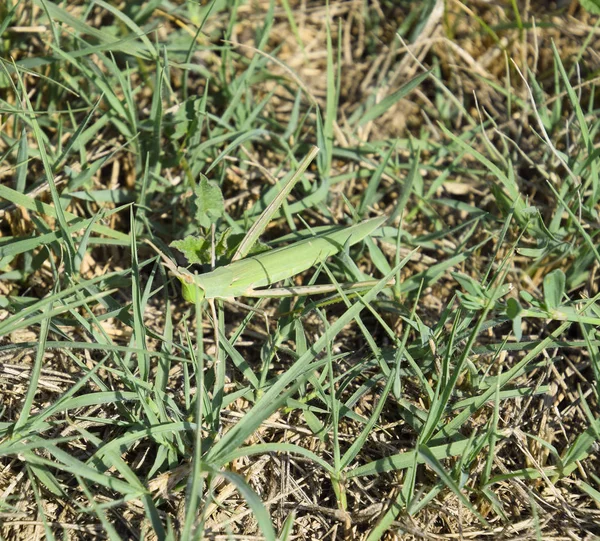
{"x":244,"y":277}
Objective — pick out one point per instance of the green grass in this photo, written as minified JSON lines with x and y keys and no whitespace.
{"x":462,"y":399}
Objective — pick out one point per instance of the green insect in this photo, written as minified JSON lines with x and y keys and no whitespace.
{"x":244,"y":277}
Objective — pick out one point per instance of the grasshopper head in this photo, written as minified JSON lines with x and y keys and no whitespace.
{"x":192,"y":292}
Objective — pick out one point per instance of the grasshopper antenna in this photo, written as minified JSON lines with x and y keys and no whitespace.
{"x":168,"y":263}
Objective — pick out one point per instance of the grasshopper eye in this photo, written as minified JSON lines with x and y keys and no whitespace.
{"x":185,"y":275}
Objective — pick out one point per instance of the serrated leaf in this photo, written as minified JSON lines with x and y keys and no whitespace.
{"x":554,"y":287}
{"x":195,"y":249}
{"x":210,"y":204}
{"x":593,"y":6}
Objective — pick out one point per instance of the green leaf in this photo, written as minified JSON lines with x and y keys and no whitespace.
{"x":185,"y":118}
{"x":499,"y":292}
{"x":469,"y":285}
{"x":554,"y":287}
{"x":590,"y":491}
{"x":209,"y":202}
{"x":517,"y":327}
{"x":593,"y":6}
{"x":513,"y":308}
{"x":195,"y":249}
{"x":533,"y":253}
{"x":471,"y":302}
{"x":526,"y":296}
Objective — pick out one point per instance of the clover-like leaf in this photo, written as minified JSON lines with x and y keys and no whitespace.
{"x":513,"y":308}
